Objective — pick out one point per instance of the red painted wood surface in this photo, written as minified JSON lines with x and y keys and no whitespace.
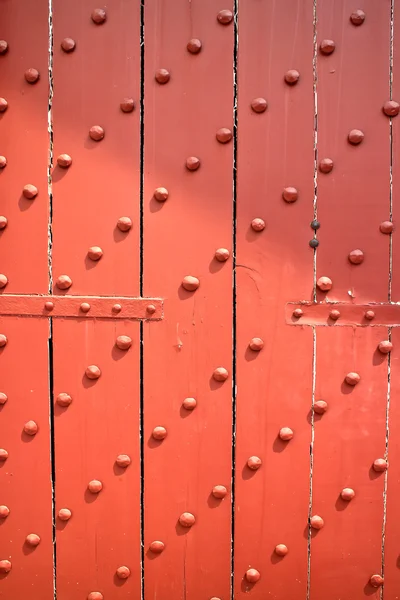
{"x":181,"y":236}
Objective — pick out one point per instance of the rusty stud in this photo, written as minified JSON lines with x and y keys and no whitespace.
{"x":220,"y":374}
{"x":256,"y":344}
{"x":64,"y":161}
{"x":352,"y":378}
{"x":189,"y":403}
{"x":254,"y":463}
{"x":32,"y":539}
{"x":386,"y":227}
{"x":391,"y":108}
{"x":162,"y":76}
{"x":347,"y":494}
{"x":63,"y":282}
{"x":224,"y":17}
{"x":259,"y":105}
{"x":3,"y":280}
{"x":290,"y":194}
{"x":64,"y":514}
{"x":194,"y":46}
{"x":116,"y":308}
{"x":32,"y":75}
{"x":5,"y":566}
{"x":224,"y":135}
{"x":95,"y":486}
{"x":127,"y":105}
{"x":297,"y":313}
{"x":3,"y":46}
{"x":157,"y":547}
{"x":355,"y":137}
{"x":96,"y":133}
{"x":3,"y":340}
{"x":219,"y":491}
{"x":124,"y":224}
{"x":192,"y":163}
{"x":160,"y":194}
{"x":357,"y":17}
{"x":376,"y":580}
{"x":222,"y":254}
{"x":380,"y":465}
{"x":317,"y":522}
{"x":334,"y":315}
{"x":85,"y":307}
{"x":3,"y":398}
{"x":3,"y":105}
{"x":320,"y":407}
{"x":95,"y":596}
{"x":95,"y":253}
{"x":3,"y":162}
{"x":356,"y":257}
{"x":292,"y":76}
{"x":252,"y":575}
{"x":3,"y":222}
{"x":123,"y":572}
{"x":63,"y":399}
{"x":385,"y":347}
{"x":4,"y":511}
{"x":159,"y":433}
{"x":314,"y":243}
{"x":369,"y":315}
{"x":93,"y":372}
{"x":31,"y":428}
{"x":187,"y":519}
{"x":258,"y":224}
{"x":30,"y":191}
{"x":123,"y":460}
{"x":123,"y":342}
{"x":99,"y":16}
{"x":326,"y":165}
{"x":3,"y":454}
{"x":190,"y":283}
{"x":281,"y":550}
{"x":324,"y":284}
{"x":327,"y":46}
{"x":151,"y":309}
{"x":68,"y":44}
{"x":286,"y":434}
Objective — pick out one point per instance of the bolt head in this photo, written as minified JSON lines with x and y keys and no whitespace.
{"x":157,"y":547}
{"x":5,"y":566}
{"x":281,"y":550}
{"x":93,"y":372}
{"x":123,"y":342}
{"x":290,"y":194}
{"x":220,"y":374}
{"x":3,"y":222}
{"x":64,"y":161}
{"x":190,"y":283}
{"x":380,"y":465}
{"x":258,"y":225}
{"x":159,"y":433}
{"x":3,"y":454}
{"x":386,"y":227}
{"x":124,"y":224}
{"x":369,"y":315}
{"x":222,"y":254}
{"x":95,"y":596}
{"x":116,"y":308}
{"x":96,"y":133}
{"x":317,"y":522}
{"x":95,"y":486}
{"x":355,"y":137}
{"x":123,"y":460}
{"x":192,"y":163}
{"x":32,"y":75}
{"x":187,"y":519}
{"x":224,"y":135}
{"x":162,"y":76}
{"x":334,"y":315}
{"x":123,"y":572}
{"x":286,"y":434}
{"x":219,"y":491}
{"x":3,"y":280}
{"x":3,"y":340}
{"x":4,"y":511}
{"x":252,"y":575}
{"x":160,"y":194}
{"x":326,"y":165}
{"x":314,"y":243}
{"x":385,"y":347}
{"x":32,"y":540}
{"x":347,"y":494}
{"x":63,"y":399}
{"x":3,"y":398}
{"x":3,"y":46}
{"x":99,"y":15}
{"x":391,"y":108}
{"x":320,"y":407}
{"x":189,"y":403}
{"x":68,"y":44}
{"x":64,"y":514}
{"x":292,"y":76}
{"x":357,"y":17}
{"x":327,"y":46}
{"x":194,"y":46}
{"x":259,"y":105}
{"x":85,"y":307}
{"x":324,"y":284}
{"x":63,"y":282}
{"x":376,"y":580}
{"x":254,"y":463}
{"x":3,"y":162}
{"x":49,"y":305}
{"x":256,"y":344}
{"x":356,"y":257}
{"x":352,"y":378}
{"x":151,"y":309}
{"x":3,"y":105}
{"x":297,"y":313}
{"x":127,"y":105}
{"x":225,"y":17}
{"x":95,"y":253}
{"x":30,"y":191}
{"x":31,"y":428}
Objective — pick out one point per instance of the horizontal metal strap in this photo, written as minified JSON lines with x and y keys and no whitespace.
{"x":342,"y":314}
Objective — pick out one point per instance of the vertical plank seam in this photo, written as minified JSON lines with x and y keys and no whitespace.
{"x":315,"y":204}
{"x":310,"y":502}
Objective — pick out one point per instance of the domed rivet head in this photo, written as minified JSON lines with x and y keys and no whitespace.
{"x":347,"y":494}
{"x":220,"y":374}
{"x":162,"y":76}
{"x":187,"y":519}
{"x":258,"y":224}
{"x":320,"y":407}
{"x":95,"y":486}
{"x":391,"y":108}
{"x":63,"y":282}
{"x":297,"y":313}
{"x":369,"y":315}
{"x":254,"y":463}
{"x":123,"y":342}
{"x":123,"y":572}
{"x":5,"y":566}
{"x":357,"y":17}
{"x":256,"y":344}
{"x":290,"y":194}
{"x":190,"y":283}
{"x":194,"y":46}
{"x":224,"y":17}
{"x":49,"y":305}
{"x":157,"y":547}
{"x":99,"y":16}
{"x":355,"y":137}
{"x":31,"y":428}
{"x":3,"y":46}
{"x":192,"y":163}
{"x":95,"y":596}
{"x":327,"y":46}
{"x":3,"y":162}
{"x":281,"y":550}
{"x":356,"y":257}
{"x":380,"y":465}
{"x":63,"y":399}
{"x":3,"y":398}
{"x":3,"y":105}
{"x":85,"y":307}
{"x":334,"y":315}
{"x":386,"y":227}
{"x":286,"y":434}
{"x":189,"y":403}
{"x":3,"y":454}
{"x":68,"y":44}
{"x":127,"y":105}
{"x":259,"y":105}
{"x":96,"y":133}
{"x":3,"y":280}
{"x":292,"y":76}
{"x":324,"y":284}
{"x":3,"y":340}
{"x":160,"y":194}
{"x":317,"y":522}
{"x":30,"y":191}
{"x":32,"y":540}
{"x":252,"y":575}
{"x":224,"y":135}
{"x":385,"y":347}
{"x":219,"y":491}
{"x":222,"y":254}
{"x":64,"y":514}
{"x":326,"y":165}
{"x":93,"y":372}
{"x":123,"y":460}
{"x":376,"y":580}
{"x":352,"y":378}
{"x":4,"y":511}
{"x":116,"y":308}
{"x":150,"y":309}
{"x":32,"y":75}
{"x":95,"y":253}
{"x":64,"y":161}
{"x":3,"y":222}
{"x":124,"y":224}
{"x":314,"y":243}
{"x":159,"y":433}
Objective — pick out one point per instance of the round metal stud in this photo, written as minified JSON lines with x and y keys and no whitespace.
{"x":347,"y":494}
{"x":258,"y":224}
{"x":357,"y":17}
{"x":5,"y":566}
{"x":192,"y":163}
{"x":352,"y":378}
{"x":68,"y":44}
{"x":222,"y":254}
{"x":385,"y":347}
{"x":31,"y":428}
{"x":356,"y":257}
{"x":189,"y":403}
{"x":30,"y":191}
{"x":63,"y":399}
{"x":3,"y":105}
{"x":190,"y":283}
{"x":162,"y":76}
{"x":3,"y":398}
{"x":3,"y":46}
{"x":327,"y":46}
{"x":3,"y":340}
{"x":334,"y":315}
{"x":219,"y":491}
{"x":224,"y":135}
{"x":32,"y":75}
{"x":124,"y":224}
{"x":116,"y":308}
{"x":391,"y":108}
{"x":159,"y":433}
{"x":150,"y":309}
{"x":286,"y":434}
{"x":123,"y":342}
{"x":127,"y":105}
{"x":3,"y":162}
{"x":292,"y":76}
{"x":32,"y":540}
{"x":64,"y":514}
{"x":355,"y":137}
{"x":259,"y":105}
{"x":3,"y":454}
{"x":96,"y":133}
{"x":220,"y":374}
{"x":256,"y":344}
{"x":157,"y":547}
{"x":64,"y":161}
{"x":281,"y":550}
{"x":95,"y":486}
{"x":49,"y":305}
{"x":85,"y":307}
{"x":95,"y":596}
{"x":315,"y":225}
{"x":317,"y":522}
{"x":326,"y":165}
{"x":123,"y":460}
{"x":386,"y":227}
{"x":369,"y":315}
{"x":92,"y":372}
{"x":314,"y":243}
{"x":160,"y":194}
{"x":376,"y":580}
{"x":252,"y":575}
{"x":254,"y":463}
{"x":95,"y":253}
{"x":3,"y":280}
{"x":4,"y":511}
{"x":99,"y":15}
{"x":380,"y":465}
{"x":320,"y":407}
{"x":324,"y":284}
{"x":123,"y":572}
{"x":187,"y":519}
{"x":297,"y":313}
{"x":290,"y":194}
{"x":194,"y":46}
{"x":63,"y":282}
{"x":225,"y":17}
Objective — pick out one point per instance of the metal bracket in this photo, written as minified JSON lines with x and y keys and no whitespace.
{"x":342,"y":314}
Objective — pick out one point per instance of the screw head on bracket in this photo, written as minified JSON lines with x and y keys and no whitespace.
{"x":124,"y":224}
{"x":150,"y":309}
{"x":352,"y":378}
{"x":123,"y":460}
{"x":49,"y":305}
{"x":317,"y":522}
{"x":376,"y":580}
{"x":357,"y":17}
{"x":194,"y":46}
{"x":327,"y":46}
{"x":3,"y":398}
{"x":157,"y":546}
{"x":64,"y":161}
{"x":292,"y":76}
{"x":324,"y":284}
{"x":355,"y":137}
{"x":3,"y":46}
{"x":224,"y":135}
{"x":258,"y":225}
{"x":220,"y":374}
{"x":30,"y":191}
{"x":190,"y":283}
{"x":189,"y":403}
{"x":32,"y":540}
{"x":116,"y":308}
{"x":64,"y":514}
{"x":347,"y":494}
{"x":297,"y":313}
{"x":334,"y":315}
{"x":160,"y":194}
{"x":95,"y":486}
{"x":68,"y":44}
{"x":31,"y":428}
{"x":3,"y":340}
{"x":192,"y":163}
{"x":254,"y":463}
{"x":391,"y":108}
{"x":326,"y":165}
{"x":63,"y":282}
{"x":281,"y":550}
{"x":225,"y":17}
{"x":320,"y":407}
{"x":380,"y":465}
{"x":96,"y":133}
{"x":3,"y":105}
{"x":5,"y":566}
{"x":92,"y":372}
{"x":369,"y":315}
{"x":123,"y":342}
{"x":123,"y":572}
{"x":187,"y":519}
{"x":290,"y":194}
{"x":99,"y":15}
{"x":252,"y":575}
{"x":356,"y":257}
{"x":85,"y":307}
{"x":4,"y":511}
{"x":219,"y":491}
{"x":162,"y":76}
{"x":127,"y":105}
{"x":259,"y":105}
{"x":385,"y":347}
{"x":32,"y":75}
{"x":159,"y":433}
{"x":63,"y":399}
{"x":256,"y":344}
